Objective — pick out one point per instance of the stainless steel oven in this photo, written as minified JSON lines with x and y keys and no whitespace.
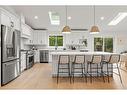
{"x":29,"y":59}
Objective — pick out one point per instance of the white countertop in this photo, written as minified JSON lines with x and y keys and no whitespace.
{"x":81,"y":53}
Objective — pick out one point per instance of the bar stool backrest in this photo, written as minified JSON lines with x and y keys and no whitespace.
{"x":106,"y":58}
{"x":114,"y":58}
{"x":79,"y":59}
{"x":96,"y":59}
{"x":63,"y":59}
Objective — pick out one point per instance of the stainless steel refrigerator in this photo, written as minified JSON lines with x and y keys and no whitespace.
{"x":10,"y":47}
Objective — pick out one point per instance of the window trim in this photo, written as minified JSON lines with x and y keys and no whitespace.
{"x":56,"y":41}
{"x":103,"y":42}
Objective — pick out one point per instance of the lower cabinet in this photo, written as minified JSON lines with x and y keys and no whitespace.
{"x":23,"y":61}
{"x":36,"y":56}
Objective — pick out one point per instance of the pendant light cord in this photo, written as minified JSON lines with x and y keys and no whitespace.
{"x":94,"y":15}
{"x":66,"y":15}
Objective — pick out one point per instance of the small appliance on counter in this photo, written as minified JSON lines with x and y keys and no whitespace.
{"x":73,"y":48}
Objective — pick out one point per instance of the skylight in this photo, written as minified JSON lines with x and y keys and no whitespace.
{"x":118,"y":18}
{"x":54,"y":18}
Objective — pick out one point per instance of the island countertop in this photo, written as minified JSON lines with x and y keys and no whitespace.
{"x":81,"y":53}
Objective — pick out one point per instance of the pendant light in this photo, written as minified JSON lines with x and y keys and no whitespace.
{"x":66,"y":28}
{"x":94,"y":28}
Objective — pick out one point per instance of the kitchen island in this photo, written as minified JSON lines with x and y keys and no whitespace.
{"x":88,"y":56}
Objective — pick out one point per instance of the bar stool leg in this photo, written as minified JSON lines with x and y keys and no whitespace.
{"x":108,"y":73}
{"x":69,"y":75}
{"x":97,"y":70}
{"x":119,"y":72}
{"x":82,"y":71}
{"x":90,"y":72}
{"x":73,"y":72}
{"x":58,"y":73}
{"x":85,"y":73}
{"x":102,"y":72}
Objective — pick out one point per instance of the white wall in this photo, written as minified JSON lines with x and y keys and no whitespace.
{"x":118,"y":45}
{"x":119,"y":37}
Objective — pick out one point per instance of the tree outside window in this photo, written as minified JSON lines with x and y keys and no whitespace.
{"x":103,"y":44}
{"x":55,"y":40}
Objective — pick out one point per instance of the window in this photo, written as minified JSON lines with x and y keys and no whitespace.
{"x":108,"y":45}
{"x":55,"y":40}
{"x":103,"y":44}
{"x":98,"y":44}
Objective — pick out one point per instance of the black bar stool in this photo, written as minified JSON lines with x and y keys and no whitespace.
{"x":96,"y":62}
{"x":77,"y":66}
{"x":63,"y":66}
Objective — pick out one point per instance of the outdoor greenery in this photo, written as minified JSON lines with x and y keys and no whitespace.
{"x":59,"y":40}
{"x":107,"y":42}
{"x":55,"y":40}
{"x":52,"y":40}
{"x":98,"y":44}
{"x":108,"y":45}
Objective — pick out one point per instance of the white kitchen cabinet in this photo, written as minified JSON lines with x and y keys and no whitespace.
{"x":26,"y":30}
{"x":30,"y":39}
{"x":39,"y":37}
{"x":23,"y":61}
{"x":35,"y":37}
{"x":7,"y":18}
{"x":17,"y":23}
{"x":36,"y":56}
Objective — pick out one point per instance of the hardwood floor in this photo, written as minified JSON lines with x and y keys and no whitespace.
{"x":39,"y":77}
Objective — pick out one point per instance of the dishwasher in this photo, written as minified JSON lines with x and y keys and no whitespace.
{"x":44,"y":56}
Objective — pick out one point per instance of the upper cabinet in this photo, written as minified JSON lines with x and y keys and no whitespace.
{"x":39,"y":37}
{"x":26,"y":31}
{"x":8,"y":18}
{"x":5,"y":20}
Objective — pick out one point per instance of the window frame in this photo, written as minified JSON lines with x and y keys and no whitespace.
{"x":55,"y":40}
{"x":103,"y":47}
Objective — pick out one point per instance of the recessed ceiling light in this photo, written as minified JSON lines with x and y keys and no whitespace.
{"x":118,"y":18}
{"x":35,"y":17}
{"x":102,"y":18}
{"x":69,"y":17}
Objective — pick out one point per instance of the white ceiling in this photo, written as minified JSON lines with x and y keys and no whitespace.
{"x":82,"y":16}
